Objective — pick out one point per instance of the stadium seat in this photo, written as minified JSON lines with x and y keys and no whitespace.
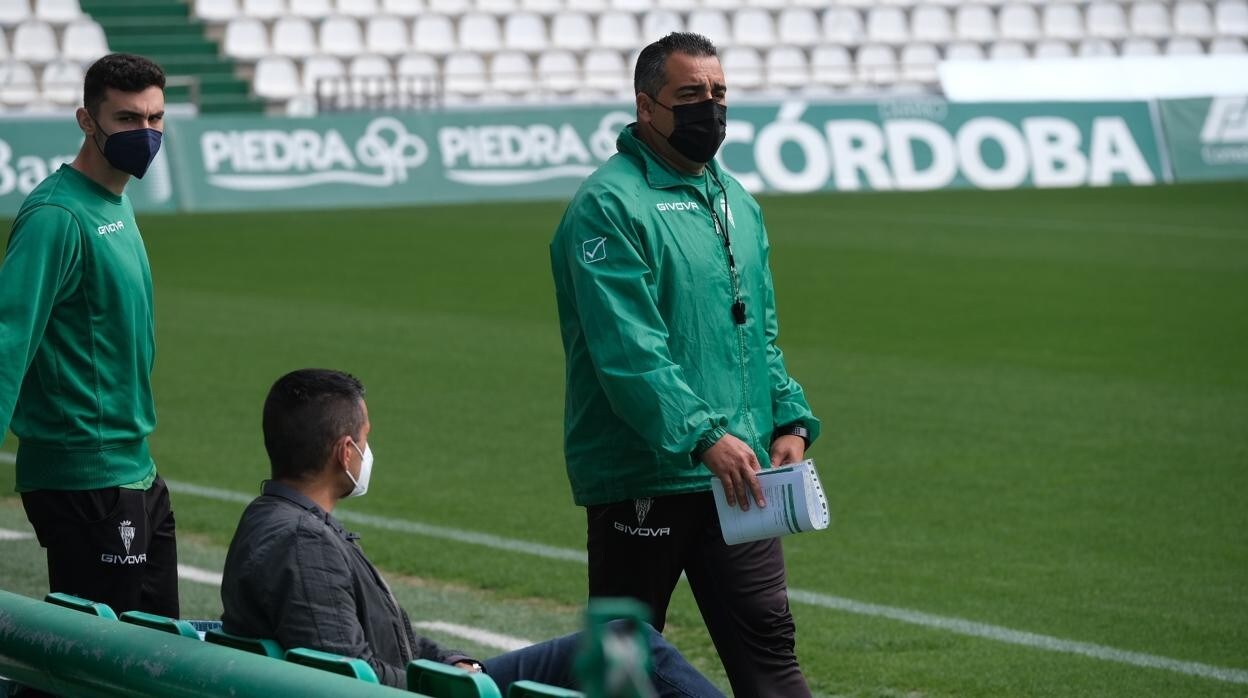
{"x":217,"y":10}
{"x":17,"y":84}
{"x":77,"y":603}
{"x":1230,"y":18}
{"x":1062,"y":21}
{"x":1183,"y":46}
{"x":683,"y":5}
{"x":371,"y":81}
{"x":572,"y":30}
{"x":918,"y":63}
{"x":558,"y":71}
{"x":386,"y":36}
{"x":498,"y":8}
{"x":887,"y":25}
{"x":57,"y":11}
{"x":4,"y":46}
{"x":604,"y":70}
{"x":657,"y":24}
{"x":1019,"y":23}
{"x":84,"y":41}
{"x":931,"y":24}
{"x":964,"y":51}
{"x":525,"y":31}
{"x":1095,"y":48}
{"x":842,"y":26}
{"x":336,"y":663}
{"x":743,"y":67}
{"x":402,"y":8}
{"x":361,"y":9}
{"x":1150,"y":20}
{"x":276,"y":78}
{"x":591,"y":6}
{"x":1008,"y":51}
{"x":712,"y":24}
{"x":433,"y":34}
{"x":532,"y":689}
{"x":14,"y":12}
{"x":618,"y":30}
{"x":264,"y":9}
{"x":341,"y":36}
{"x":1227,"y":46}
{"x":463,"y":75}
{"x":446,"y":681}
{"x":1106,"y":20}
{"x":61,"y":82}
{"x":323,"y":75}
{"x":479,"y":32}
{"x":311,"y":9}
{"x":1139,"y":46}
{"x":830,"y":66}
{"x":974,"y":23}
{"x":877,"y":64}
{"x":797,"y":26}
{"x":267,"y":648}
{"x":35,"y":42}
{"x":162,"y":623}
{"x":1193,"y":18}
{"x":511,"y":73}
{"x":418,"y":73}
{"x":450,"y":8}
{"x":294,"y":37}
{"x":634,"y":6}
{"x":246,"y":39}
{"x":787,"y":67}
{"x":753,"y":27}
{"x":1052,"y":48}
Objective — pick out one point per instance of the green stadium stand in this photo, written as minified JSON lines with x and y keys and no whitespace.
{"x":614,"y":661}
{"x":532,"y":689}
{"x":336,"y":663}
{"x":446,"y":681}
{"x":261,"y":646}
{"x":162,"y":623}
{"x":165,"y":31}
{"x":78,"y":603}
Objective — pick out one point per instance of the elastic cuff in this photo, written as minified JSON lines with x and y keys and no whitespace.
{"x":709,"y":439}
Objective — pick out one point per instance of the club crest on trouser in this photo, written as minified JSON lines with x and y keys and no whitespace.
{"x":127,"y":534}
{"x":642,"y":507}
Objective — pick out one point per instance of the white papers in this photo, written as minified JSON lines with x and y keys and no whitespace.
{"x":795,"y":503}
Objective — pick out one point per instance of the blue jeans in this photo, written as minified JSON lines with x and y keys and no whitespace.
{"x":550,"y":662}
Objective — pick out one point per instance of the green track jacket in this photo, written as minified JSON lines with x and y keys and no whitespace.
{"x":657,"y":368}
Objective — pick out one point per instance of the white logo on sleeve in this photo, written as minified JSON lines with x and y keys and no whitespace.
{"x":594,"y":250}
{"x":110,"y":228}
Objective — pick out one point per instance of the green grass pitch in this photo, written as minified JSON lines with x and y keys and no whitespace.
{"x":1035,"y":408}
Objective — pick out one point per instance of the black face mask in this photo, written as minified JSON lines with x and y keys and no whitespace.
{"x":700,"y":129}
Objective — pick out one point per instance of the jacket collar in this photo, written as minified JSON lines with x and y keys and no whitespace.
{"x":273,"y":488}
{"x":659,"y":174}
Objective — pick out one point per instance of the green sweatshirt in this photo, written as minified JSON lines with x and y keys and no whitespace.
{"x":657,"y":366}
{"x":77,"y":338}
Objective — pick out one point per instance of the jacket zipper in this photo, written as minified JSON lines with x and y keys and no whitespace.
{"x":737,"y":307}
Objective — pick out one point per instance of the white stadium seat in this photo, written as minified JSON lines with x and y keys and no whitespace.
{"x":831,"y":66}
{"x":57,"y":11}
{"x":787,"y":67}
{"x":217,"y":10}
{"x":357,"y":8}
{"x":402,"y":8}
{"x":1052,"y":48}
{"x":887,"y":25}
{"x":559,"y":71}
{"x":1230,"y":17}
{"x":61,"y":82}
{"x":450,"y":8}
{"x":572,"y":30}
{"x":594,"y":6}
{"x":743,"y":68}
{"x":1019,"y":23}
{"x":35,"y":42}
{"x":605,"y":70}
{"x":341,"y":36}
{"x":276,"y":78}
{"x":712,"y":24}
{"x":918,"y":63}
{"x":480,"y":32}
{"x":843,"y":26}
{"x":974,"y":23}
{"x":246,"y":39}
{"x":17,"y":84}
{"x":635,"y":6}
{"x":1140,"y":46}
{"x":433,"y":34}
{"x":511,"y":72}
{"x":618,"y":30}
{"x":1008,"y":51}
{"x":387,"y":36}
{"x":418,"y":73}
{"x":931,"y":24}
{"x":964,"y":51}
{"x":1184,"y":46}
{"x":264,"y":9}
{"x":294,"y":37}
{"x":683,"y":5}
{"x":1106,"y":20}
{"x":311,"y":9}
{"x":724,"y":5}
{"x":1193,"y":18}
{"x":542,"y":7}
{"x":4,"y":46}
{"x":1227,"y":45}
{"x":1062,"y":21}
{"x":500,"y":8}
{"x":797,"y":26}
{"x":14,"y":12}
{"x":84,"y":41}
{"x":525,"y":31}
{"x":753,"y":27}
{"x":657,"y":24}
{"x":371,"y":77}
{"x":877,"y":64}
{"x":318,"y":68}
{"x":1095,"y":48}
{"x":1150,"y":20}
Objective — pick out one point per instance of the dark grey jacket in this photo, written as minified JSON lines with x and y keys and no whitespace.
{"x":294,"y":574}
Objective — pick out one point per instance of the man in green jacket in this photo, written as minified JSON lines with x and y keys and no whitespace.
{"x":668,"y":319}
{"x":77,"y":342}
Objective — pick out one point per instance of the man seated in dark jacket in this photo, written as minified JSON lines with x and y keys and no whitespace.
{"x":294,"y":574}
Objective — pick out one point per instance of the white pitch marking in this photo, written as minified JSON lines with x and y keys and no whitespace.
{"x":196,"y":574}
{"x":498,"y":641}
{"x":8,"y":534}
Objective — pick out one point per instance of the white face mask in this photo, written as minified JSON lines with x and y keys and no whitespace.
{"x":366,"y":471}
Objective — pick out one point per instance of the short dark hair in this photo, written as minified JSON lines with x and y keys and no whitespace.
{"x":305,"y":413}
{"x":120,"y":71}
{"x":650,"y":75}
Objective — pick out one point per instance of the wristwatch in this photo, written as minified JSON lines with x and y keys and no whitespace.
{"x":792,"y":429}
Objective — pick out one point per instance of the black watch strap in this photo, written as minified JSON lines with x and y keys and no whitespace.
{"x":794,"y":429}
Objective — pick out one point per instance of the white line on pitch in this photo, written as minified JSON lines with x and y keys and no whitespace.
{"x":8,"y":534}
{"x":197,"y":574}
{"x":486,"y":638}
{"x":955,"y":625}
